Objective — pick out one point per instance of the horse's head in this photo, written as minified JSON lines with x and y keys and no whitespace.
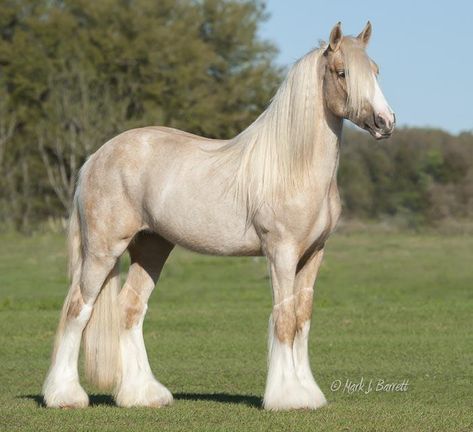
{"x":351,"y":88}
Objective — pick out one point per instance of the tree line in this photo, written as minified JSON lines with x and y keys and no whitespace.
{"x":74,"y":73}
{"x":420,"y":175}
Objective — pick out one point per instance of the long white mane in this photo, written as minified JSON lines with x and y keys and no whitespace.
{"x":272,"y":156}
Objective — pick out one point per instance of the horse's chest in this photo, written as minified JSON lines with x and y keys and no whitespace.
{"x":305,"y":221}
{"x":320,"y":222}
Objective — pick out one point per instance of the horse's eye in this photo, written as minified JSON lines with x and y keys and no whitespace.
{"x":341,"y":74}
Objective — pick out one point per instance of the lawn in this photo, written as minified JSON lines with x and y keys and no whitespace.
{"x":391,"y":307}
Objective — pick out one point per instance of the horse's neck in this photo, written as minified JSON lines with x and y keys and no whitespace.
{"x":324,"y":163}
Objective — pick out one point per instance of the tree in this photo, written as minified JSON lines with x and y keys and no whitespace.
{"x":78,"y":72}
{"x":79,"y":114}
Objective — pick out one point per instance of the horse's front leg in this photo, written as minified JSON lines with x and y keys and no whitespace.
{"x":304,"y":292}
{"x":283,"y":388}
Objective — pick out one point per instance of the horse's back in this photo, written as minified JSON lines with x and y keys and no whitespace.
{"x":166,"y":180}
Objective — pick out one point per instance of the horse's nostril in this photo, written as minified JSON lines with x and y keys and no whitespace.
{"x":379,"y":121}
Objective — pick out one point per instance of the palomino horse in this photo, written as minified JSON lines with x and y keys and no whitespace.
{"x":269,"y":191}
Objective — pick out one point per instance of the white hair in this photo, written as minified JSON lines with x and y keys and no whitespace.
{"x":272,"y":156}
{"x":359,"y":76}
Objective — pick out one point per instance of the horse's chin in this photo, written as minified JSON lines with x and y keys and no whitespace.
{"x":376,"y":133}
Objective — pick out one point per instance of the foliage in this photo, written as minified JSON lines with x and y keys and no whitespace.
{"x":74,"y":73}
{"x":423,"y":175}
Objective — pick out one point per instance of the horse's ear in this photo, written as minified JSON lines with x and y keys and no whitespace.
{"x":336,"y":36}
{"x":365,"y":35}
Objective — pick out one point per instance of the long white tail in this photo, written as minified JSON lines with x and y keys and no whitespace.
{"x":101,"y":335}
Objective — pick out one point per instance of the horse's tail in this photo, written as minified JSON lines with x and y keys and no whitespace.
{"x":102,"y":335}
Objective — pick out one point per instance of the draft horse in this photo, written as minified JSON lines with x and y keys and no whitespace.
{"x":271,"y":191}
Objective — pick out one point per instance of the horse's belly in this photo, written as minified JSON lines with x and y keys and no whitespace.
{"x":207,"y":236}
{"x":198,"y":221}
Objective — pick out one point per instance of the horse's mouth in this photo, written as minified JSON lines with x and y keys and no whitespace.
{"x":378,"y":134}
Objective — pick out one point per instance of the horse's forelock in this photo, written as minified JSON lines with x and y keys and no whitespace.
{"x":359,"y":75}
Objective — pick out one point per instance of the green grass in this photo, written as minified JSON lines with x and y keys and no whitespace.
{"x":388,"y":306}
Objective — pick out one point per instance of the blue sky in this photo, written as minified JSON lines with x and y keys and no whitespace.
{"x":424,"y":50}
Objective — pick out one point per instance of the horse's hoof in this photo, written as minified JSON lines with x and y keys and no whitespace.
{"x":66,"y":397}
{"x":152,"y":394}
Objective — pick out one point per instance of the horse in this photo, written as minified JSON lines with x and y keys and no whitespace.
{"x":271,"y":190}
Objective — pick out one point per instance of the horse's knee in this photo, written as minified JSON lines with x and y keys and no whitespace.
{"x":304,"y":307}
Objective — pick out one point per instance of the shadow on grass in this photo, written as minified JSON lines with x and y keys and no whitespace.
{"x":107,"y":400}
{"x":94,"y":399}
{"x":252,"y":401}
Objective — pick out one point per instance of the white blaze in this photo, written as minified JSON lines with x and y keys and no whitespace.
{"x":380,"y":105}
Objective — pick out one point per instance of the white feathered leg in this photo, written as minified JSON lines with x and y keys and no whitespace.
{"x":302,"y":365}
{"x":61,"y":388}
{"x":304,"y":293}
{"x":138,"y":386}
{"x":284,"y":390}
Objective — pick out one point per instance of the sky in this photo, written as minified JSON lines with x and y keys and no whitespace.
{"x":424,"y":50}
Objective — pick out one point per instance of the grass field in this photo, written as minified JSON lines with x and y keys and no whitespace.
{"x":391,"y":307}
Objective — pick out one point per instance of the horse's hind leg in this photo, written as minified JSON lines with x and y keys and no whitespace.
{"x":94,"y":250}
{"x":61,"y":388}
{"x":137,"y":386}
